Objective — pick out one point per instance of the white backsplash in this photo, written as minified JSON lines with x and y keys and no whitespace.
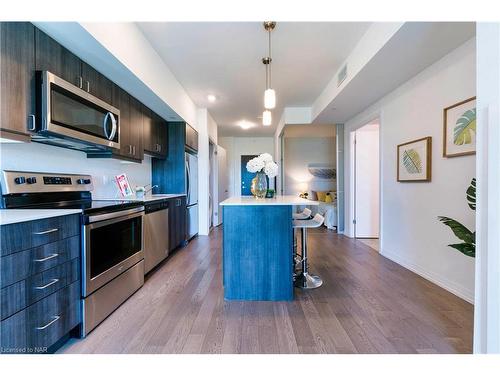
{"x":36,"y":157}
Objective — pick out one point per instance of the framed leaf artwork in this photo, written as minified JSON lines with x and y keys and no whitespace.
{"x":459,"y":129}
{"x":414,"y":160}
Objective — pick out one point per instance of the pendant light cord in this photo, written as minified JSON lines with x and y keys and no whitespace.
{"x":270,"y":59}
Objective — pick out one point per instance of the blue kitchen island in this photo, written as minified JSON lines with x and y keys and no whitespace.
{"x":257,"y":247}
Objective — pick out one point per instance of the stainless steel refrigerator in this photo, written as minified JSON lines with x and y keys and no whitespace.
{"x":192,"y":194}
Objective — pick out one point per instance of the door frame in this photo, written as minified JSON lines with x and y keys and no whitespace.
{"x":351,"y":199}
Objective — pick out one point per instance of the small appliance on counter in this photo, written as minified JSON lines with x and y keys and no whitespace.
{"x":112,"y":255}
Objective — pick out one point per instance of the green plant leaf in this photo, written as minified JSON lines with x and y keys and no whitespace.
{"x":465,"y":127}
{"x":412,"y":162}
{"x":459,"y":230}
{"x":465,"y":248}
{"x":471,"y":194}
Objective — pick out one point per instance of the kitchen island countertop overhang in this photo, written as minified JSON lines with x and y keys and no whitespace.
{"x":258,"y":247}
{"x":279,"y":200}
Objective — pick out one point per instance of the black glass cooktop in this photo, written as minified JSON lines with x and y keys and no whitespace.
{"x":67,"y":201}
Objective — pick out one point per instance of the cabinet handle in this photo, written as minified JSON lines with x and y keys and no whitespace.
{"x":54,"y":319}
{"x":51,"y":256}
{"x":134,"y":150}
{"x":52,"y":282}
{"x":80,"y":82}
{"x":159,"y":148}
{"x":88,"y":86}
{"x":130,"y":149}
{"x":32,"y":123}
{"x":46,"y":231}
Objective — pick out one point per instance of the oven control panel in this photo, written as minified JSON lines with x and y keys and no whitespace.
{"x":19,"y":182}
{"x":57,"y":180}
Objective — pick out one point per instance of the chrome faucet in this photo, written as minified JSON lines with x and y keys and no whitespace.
{"x":150,"y":189}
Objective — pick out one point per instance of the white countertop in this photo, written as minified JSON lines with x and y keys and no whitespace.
{"x":10,"y":216}
{"x":147,"y":198}
{"x":279,"y":200}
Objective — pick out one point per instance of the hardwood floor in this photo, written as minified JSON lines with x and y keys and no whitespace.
{"x":371,"y":242}
{"x":367,"y":304}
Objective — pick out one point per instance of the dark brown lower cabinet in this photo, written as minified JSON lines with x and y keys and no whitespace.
{"x":37,"y":328}
{"x":177,"y":217}
{"x":40,"y":291}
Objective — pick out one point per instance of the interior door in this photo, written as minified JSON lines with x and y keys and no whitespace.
{"x":223,"y":183}
{"x":367,"y":183}
{"x":246,"y":177}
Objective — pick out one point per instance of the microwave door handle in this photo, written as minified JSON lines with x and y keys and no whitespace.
{"x":111,"y":117}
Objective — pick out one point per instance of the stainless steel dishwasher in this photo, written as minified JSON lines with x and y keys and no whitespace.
{"x":155,"y":233}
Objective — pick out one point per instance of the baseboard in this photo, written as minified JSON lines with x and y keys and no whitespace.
{"x":444,"y":283}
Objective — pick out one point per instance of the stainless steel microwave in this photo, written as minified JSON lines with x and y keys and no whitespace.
{"x":71,"y":117}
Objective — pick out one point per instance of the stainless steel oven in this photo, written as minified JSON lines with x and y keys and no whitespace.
{"x":112,"y":242}
{"x":71,"y":117}
{"x":113,"y":262}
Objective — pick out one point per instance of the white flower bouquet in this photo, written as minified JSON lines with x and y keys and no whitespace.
{"x":263,"y":163}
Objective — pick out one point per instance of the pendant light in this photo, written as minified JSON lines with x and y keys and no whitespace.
{"x":267,"y":118}
{"x":269,"y":93}
{"x":269,"y":97}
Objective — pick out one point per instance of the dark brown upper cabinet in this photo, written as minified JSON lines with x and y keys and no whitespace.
{"x":136,"y":129}
{"x":161,"y":135}
{"x":97,"y":84}
{"x":191,"y":138}
{"x":51,"y":56}
{"x":17,"y":79}
{"x":155,"y":134}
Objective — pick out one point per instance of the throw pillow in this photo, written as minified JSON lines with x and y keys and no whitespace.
{"x":321,"y":195}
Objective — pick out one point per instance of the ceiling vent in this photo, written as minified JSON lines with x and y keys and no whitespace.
{"x":342,"y":75}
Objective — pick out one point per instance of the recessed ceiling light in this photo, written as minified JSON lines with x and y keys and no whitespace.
{"x":211,"y":98}
{"x":244,"y":124}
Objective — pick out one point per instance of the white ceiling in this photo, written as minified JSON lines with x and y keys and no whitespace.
{"x":224,"y":58}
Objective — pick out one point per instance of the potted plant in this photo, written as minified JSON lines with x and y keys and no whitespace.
{"x":468,"y":244}
{"x":270,"y":193}
{"x":263,"y":165}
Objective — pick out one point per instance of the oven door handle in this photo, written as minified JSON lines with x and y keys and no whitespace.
{"x":114,"y":217}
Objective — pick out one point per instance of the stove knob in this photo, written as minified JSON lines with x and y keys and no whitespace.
{"x":31,"y":180}
{"x":83,"y":181}
{"x":19,"y":180}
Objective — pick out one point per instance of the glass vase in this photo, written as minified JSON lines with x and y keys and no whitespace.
{"x":259,"y":185}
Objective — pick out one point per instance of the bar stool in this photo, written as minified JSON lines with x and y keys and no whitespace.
{"x":305,"y":280}
{"x":304,"y":215}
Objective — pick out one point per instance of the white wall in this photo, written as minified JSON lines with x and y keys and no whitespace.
{"x":487,"y":298}
{"x":299,"y":152}
{"x":410,"y":232}
{"x":237,"y":146}
{"x":36,"y":157}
